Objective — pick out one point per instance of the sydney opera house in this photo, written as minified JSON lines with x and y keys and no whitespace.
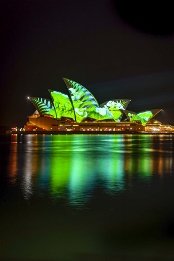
{"x":79,"y":111}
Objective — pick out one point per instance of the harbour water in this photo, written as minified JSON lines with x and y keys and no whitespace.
{"x":87,"y":197}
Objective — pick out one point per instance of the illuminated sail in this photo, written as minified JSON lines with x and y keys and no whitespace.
{"x":116,"y":107}
{"x":62,"y":104}
{"x":142,"y":117}
{"x":83,"y":101}
{"x":117,"y":104}
{"x":100,"y":114}
{"x":43,"y":106}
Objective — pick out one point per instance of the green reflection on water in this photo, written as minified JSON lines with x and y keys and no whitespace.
{"x":74,"y":166}
{"x":111,"y":165}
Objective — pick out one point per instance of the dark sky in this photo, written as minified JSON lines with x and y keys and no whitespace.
{"x":115,"y":49}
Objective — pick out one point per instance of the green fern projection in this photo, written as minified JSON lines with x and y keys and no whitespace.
{"x":142,"y":117}
{"x":80,"y":94}
{"x":83,"y":101}
{"x":43,"y":106}
{"x":62,"y":105}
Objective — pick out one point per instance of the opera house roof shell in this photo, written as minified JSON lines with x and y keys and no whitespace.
{"x":80,"y":105}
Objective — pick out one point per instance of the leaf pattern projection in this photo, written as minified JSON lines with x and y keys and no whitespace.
{"x":44,"y":106}
{"x":62,"y":104}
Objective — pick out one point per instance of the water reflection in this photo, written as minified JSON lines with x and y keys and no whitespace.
{"x":74,"y":166}
{"x":13,"y":159}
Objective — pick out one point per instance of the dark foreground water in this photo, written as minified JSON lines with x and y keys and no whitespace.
{"x":86,"y":197}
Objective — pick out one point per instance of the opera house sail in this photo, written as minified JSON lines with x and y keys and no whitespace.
{"x":79,"y":111}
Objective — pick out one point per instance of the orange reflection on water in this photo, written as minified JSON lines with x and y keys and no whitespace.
{"x":31,"y":166}
{"x":13,"y":158}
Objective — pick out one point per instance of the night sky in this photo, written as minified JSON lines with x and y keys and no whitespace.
{"x":115,"y":49}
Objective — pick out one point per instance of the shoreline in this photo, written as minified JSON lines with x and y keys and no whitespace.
{"x":86,"y":132}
